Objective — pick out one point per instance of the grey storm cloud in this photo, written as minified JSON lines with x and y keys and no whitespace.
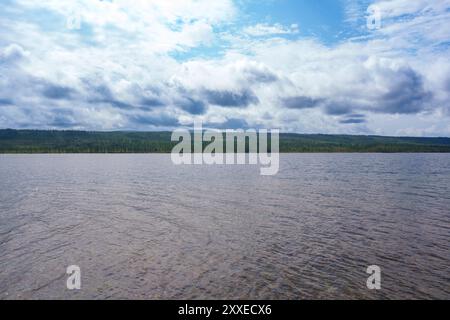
{"x":62,"y":118}
{"x":154,"y":120}
{"x":5,"y":102}
{"x":337,"y":108}
{"x":62,"y":121}
{"x":353,"y":121}
{"x":406,"y":96}
{"x":151,"y":102}
{"x":102,"y":94}
{"x":447,"y":85}
{"x":142,"y":100}
{"x":231,"y":99}
{"x":12,"y":54}
{"x":301,"y":102}
{"x":192,"y":105}
{"x":57,"y":92}
{"x":254,"y":75}
{"x":352,"y":118}
{"x":356,"y":115}
{"x":403,"y":93}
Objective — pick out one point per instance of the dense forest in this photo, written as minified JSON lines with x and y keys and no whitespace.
{"x":42,"y":141}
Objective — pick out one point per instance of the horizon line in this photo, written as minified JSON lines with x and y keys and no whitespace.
{"x":223,"y":130}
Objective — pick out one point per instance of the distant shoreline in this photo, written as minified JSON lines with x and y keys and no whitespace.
{"x":121,"y":142}
{"x":168,"y":153}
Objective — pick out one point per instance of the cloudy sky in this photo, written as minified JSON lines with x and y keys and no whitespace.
{"x":328,"y":66}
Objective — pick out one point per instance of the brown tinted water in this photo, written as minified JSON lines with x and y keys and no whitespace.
{"x":140,"y":227}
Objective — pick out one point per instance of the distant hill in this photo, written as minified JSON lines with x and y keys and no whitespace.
{"x":42,"y":141}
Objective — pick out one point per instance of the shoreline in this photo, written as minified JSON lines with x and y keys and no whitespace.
{"x":168,"y":153}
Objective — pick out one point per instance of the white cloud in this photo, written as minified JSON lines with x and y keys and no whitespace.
{"x":118,"y":71}
{"x":13,"y":52}
{"x":397,"y":8}
{"x":263,"y":29}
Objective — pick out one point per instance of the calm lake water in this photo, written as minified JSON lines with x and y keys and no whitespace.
{"x":140,"y":227}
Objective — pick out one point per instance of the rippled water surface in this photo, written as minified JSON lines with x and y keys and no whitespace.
{"x":140,"y":227}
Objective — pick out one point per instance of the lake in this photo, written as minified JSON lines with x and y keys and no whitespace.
{"x":141,"y":228}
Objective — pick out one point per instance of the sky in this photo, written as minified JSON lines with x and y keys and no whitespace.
{"x":365,"y":67}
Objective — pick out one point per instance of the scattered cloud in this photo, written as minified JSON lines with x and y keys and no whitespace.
{"x":231,"y":99}
{"x":57,"y":92}
{"x":300,"y":102}
{"x":353,"y":121}
{"x":121,"y":69}
{"x":264,"y":29}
